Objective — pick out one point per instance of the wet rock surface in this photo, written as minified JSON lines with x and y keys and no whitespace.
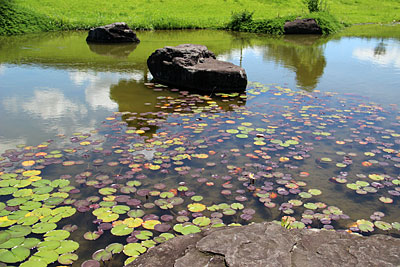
{"x":302,"y":26}
{"x":194,"y":67}
{"x":118,"y":32}
{"x":269,"y":244}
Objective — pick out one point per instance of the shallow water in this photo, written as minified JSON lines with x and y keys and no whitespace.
{"x":319,"y":113}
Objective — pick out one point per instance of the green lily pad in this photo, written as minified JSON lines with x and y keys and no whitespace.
{"x":353,"y":186}
{"x":396,"y":225}
{"x":60,"y":183}
{"x":14,"y":255}
{"x":202,"y":221}
{"x":12,"y":242}
{"x":30,"y":242}
{"x":315,"y":192}
{"x":4,"y":236}
{"x":67,"y":246}
{"x":196,"y":198}
{"x":114,"y":248}
{"x":47,"y":256}
{"x":365,"y":226}
{"x":186,"y":230}
{"x":376,"y":177}
{"x":65,"y":212}
{"x":16,"y":201}
{"x":56,"y":235}
{"x":296,"y":202}
{"x":305,"y":195}
{"x":43,"y":227}
{"x":144,"y":235}
{"x":30,"y":205}
{"x":196,"y":207}
{"x":120,"y":209}
{"x":43,"y":190}
{"x":167,"y":195}
{"x":134,"y":249}
{"x":148,"y":243}
{"x":121,"y":230}
{"x":237,"y":206}
{"x":34,"y":262}
{"x":136,"y":213}
{"x":297,"y":225}
{"x":52,"y":201}
{"x":91,"y":235}
{"x":311,"y":206}
{"x":7,"y":191}
{"x":229,"y":211}
{"x":102,"y":255}
{"x":67,"y":258}
{"x":107,"y":191}
{"x":19,"y":230}
{"x":383,"y":225}
{"x":49,"y":245}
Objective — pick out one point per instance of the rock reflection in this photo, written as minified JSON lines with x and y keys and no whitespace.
{"x":112,"y":50}
{"x":139,"y":102}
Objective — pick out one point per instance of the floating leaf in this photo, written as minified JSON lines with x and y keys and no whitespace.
{"x":202,"y":221}
{"x":67,"y":258}
{"x":134,"y":249}
{"x":121,"y":230}
{"x":196,"y":207}
{"x":186,"y":230}
{"x":14,"y":255}
{"x":383,"y":225}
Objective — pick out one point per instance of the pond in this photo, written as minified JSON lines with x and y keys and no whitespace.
{"x":98,"y":163}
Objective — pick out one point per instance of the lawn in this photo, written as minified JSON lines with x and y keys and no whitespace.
{"x":21,"y":16}
{"x":205,"y":13}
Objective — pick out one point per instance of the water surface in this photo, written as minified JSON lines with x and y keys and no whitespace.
{"x":319,"y":124}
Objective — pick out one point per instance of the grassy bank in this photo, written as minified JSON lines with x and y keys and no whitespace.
{"x":18,"y":16}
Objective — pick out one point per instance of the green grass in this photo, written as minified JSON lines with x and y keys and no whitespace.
{"x":32,"y":16}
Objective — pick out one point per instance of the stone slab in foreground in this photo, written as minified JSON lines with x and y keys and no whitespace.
{"x":269,"y":244}
{"x":194,"y":67}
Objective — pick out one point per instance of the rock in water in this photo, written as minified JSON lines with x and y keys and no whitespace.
{"x":194,"y":67}
{"x":302,"y":26}
{"x":118,"y":32}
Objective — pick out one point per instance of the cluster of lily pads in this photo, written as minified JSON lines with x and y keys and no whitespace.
{"x":197,"y":162}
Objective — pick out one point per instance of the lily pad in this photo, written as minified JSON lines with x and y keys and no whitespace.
{"x":14,"y":255}
{"x":67,"y":258}
{"x":202,"y":221}
{"x":134,"y":249}
{"x":121,"y":230}
{"x":186,"y":230}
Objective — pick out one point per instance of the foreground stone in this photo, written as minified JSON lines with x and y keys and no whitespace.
{"x":302,"y":26}
{"x":269,"y":244}
{"x":118,"y":32}
{"x":194,"y":67}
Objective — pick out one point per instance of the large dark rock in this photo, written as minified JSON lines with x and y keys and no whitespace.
{"x":118,"y":32}
{"x":302,"y":26}
{"x":194,"y":67}
{"x":269,"y":244}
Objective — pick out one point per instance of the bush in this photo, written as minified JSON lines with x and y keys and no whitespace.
{"x":315,"y":5}
{"x":239,"y":19}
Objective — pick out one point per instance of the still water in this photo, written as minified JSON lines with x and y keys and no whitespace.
{"x":315,"y":137}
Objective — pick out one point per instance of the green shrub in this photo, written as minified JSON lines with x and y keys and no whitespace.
{"x":240,"y":19}
{"x":315,"y":5}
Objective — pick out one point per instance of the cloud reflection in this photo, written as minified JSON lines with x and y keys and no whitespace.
{"x":388,"y":59}
{"x":2,"y":69}
{"x":97,"y":90}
